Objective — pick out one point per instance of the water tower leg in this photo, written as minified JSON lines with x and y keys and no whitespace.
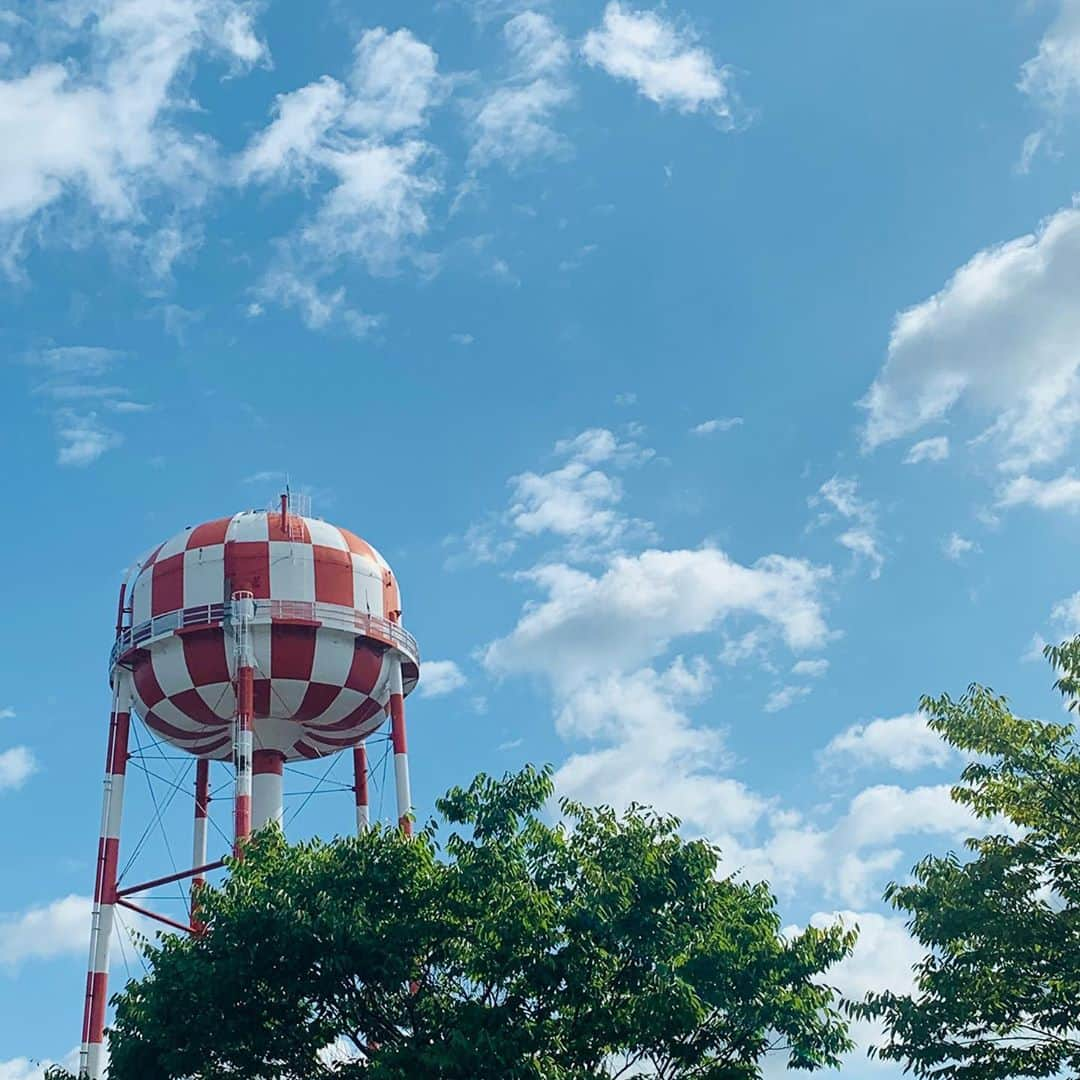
{"x":97,"y":978}
{"x":267,"y":788}
{"x":360,"y":786}
{"x":242,"y":753}
{"x":198,"y":847}
{"x":401,"y":753}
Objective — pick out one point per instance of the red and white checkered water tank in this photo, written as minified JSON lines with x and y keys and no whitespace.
{"x":327,"y":614}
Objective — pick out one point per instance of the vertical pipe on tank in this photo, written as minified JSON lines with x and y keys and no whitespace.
{"x":267,"y":788}
{"x":101,"y":923}
{"x":360,"y":786}
{"x":243,"y":610}
{"x":198,"y":847}
{"x":401,"y":753}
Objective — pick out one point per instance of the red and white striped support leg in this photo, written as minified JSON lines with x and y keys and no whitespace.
{"x":401,"y":752}
{"x":360,"y":786}
{"x":267,"y":788}
{"x":97,"y":978}
{"x":242,"y":753}
{"x":198,"y":847}
{"x":243,"y":610}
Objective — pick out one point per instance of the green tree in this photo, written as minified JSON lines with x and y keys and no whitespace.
{"x":605,"y":947}
{"x":998,"y":994}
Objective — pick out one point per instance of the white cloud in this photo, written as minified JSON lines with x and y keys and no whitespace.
{"x":514,"y":122}
{"x":574,"y":501}
{"x":59,"y":928}
{"x":626,"y":398}
{"x":578,"y":503}
{"x":902,"y":742}
{"x":291,"y":145}
{"x":663,"y":61}
{"x":394,"y":81}
{"x":7,"y":713}
{"x":482,"y":543}
{"x":318,"y":308}
{"x":62,"y":928}
{"x":1061,"y":493}
{"x":69,"y":382}
{"x":811,"y":669}
{"x":1066,"y":614}
{"x":440,"y":677}
{"x":630,"y":612}
{"x":102,"y":126}
{"x":840,"y":495}
{"x":1051,"y":78}
{"x":956,"y":547}
{"x":935,"y":449}
{"x":17,"y":765}
{"x":784,"y":697}
{"x":83,"y":438}
{"x":359,"y":137}
{"x":22,"y":1068}
{"x":652,"y":753}
{"x":377,"y":207}
{"x":708,"y":427}
{"x":391,"y":88}
{"x":848,"y":858}
{"x":1002,"y":338}
{"x":883,"y":958}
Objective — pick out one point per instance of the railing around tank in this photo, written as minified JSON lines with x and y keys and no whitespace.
{"x":333,"y":616}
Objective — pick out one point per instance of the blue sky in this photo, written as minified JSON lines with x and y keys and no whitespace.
{"x":707,"y":372}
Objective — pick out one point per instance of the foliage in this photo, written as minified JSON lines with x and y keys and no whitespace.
{"x":999,"y":991}
{"x":603,"y":947}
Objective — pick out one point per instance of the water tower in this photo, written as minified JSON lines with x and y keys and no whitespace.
{"x":258,"y":639}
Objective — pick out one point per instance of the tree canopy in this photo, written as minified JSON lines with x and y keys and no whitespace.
{"x":998,"y":993}
{"x":602,"y":946}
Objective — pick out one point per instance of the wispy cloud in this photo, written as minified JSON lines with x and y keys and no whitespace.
{"x":839,"y":497}
{"x":69,"y":379}
{"x":514,"y":122}
{"x":710,"y":427}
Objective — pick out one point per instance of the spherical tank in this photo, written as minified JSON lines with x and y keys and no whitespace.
{"x":326,"y":618}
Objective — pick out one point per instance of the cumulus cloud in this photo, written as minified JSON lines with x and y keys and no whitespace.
{"x":291,"y":145}
{"x":839,"y":496}
{"x":935,"y":449}
{"x":17,"y":765}
{"x":22,"y":1068}
{"x":62,"y":928}
{"x":883,"y":959}
{"x":848,"y":858}
{"x":58,"y":928}
{"x":662,"y":60}
{"x":651,"y":751}
{"x":514,"y":122}
{"x":629,"y":613}
{"x":902,"y":742}
{"x":102,"y":125}
{"x":361,"y":137}
{"x":577,"y":503}
{"x":440,"y":677}
{"x":1002,"y":340}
